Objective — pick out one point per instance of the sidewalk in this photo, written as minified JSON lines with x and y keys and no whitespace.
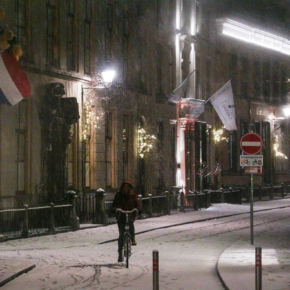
{"x":236,"y":265}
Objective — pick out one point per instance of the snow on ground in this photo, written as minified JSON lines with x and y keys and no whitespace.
{"x":188,"y":254}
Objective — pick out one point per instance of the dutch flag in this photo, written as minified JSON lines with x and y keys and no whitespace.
{"x":14,"y":86}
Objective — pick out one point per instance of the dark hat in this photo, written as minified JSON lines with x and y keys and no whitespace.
{"x":127,"y":182}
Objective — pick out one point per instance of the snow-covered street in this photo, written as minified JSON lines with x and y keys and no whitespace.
{"x":188,"y":251}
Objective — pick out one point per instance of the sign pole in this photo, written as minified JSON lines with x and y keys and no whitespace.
{"x":200,"y":162}
{"x":251,"y":144}
{"x":252,"y":210}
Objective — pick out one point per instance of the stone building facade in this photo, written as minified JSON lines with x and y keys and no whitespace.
{"x":77,"y":132}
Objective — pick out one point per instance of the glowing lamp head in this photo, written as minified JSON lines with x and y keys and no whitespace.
{"x":286,"y":112}
{"x":108,"y":75}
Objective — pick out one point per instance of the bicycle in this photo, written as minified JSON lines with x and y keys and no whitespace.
{"x":257,"y":162}
{"x":127,"y":237}
{"x":245,"y":162}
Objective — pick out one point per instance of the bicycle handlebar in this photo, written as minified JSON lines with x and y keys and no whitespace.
{"x":127,"y":211}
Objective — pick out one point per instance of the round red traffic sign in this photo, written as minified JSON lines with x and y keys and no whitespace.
{"x":251,"y":143}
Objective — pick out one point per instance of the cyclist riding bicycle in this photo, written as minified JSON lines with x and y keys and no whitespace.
{"x":125,"y":199}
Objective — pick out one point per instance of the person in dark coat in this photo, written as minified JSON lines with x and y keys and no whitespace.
{"x":125,"y":199}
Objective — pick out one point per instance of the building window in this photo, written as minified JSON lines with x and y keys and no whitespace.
{"x":233,"y":150}
{"x":158,"y":13}
{"x":141,"y":64}
{"x":208,"y":78}
{"x":263,"y":129}
{"x":86,"y":158}
{"x":71,"y":34}
{"x":159,"y":70}
{"x":140,"y":8}
{"x":50,"y":37}
{"x":70,"y":159}
{"x":171,"y":69}
{"x":126,"y":134}
{"x":173,"y":149}
{"x":21,"y":146}
{"x":198,"y":78}
{"x":197,"y":17}
{"x":87,"y":36}
{"x":126,"y":23}
{"x":266,"y":79}
{"x":244,"y":76}
{"x":200,"y":155}
{"x":284,"y":81}
{"x":281,"y":148}
{"x":160,"y":142}
{"x":21,"y":23}
{"x":87,"y":47}
{"x":207,"y":24}
{"x":276,"y":80}
{"x":109,"y":149}
{"x":160,"y":136}
{"x":257,"y":77}
{"x":86,"y":166}
{"x":125,"y":44}
{"x":109,"y":32}
{"x":88,"y":10}
{"x":233,"y":71}
{"x":244,"y":128}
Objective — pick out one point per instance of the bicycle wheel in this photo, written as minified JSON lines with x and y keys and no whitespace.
{"x":127,"y":249}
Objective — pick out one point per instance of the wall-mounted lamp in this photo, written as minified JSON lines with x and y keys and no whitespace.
{"x":253,"y":35}
{"x":108,"y":75}
{"x":286,"y":111}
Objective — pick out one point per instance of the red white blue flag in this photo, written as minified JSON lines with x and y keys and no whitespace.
{"x":14,"y":86}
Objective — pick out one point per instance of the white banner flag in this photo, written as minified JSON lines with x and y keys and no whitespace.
{"x":223,"y":102}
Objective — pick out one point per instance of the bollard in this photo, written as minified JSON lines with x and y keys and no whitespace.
{"x":258,"y":276}
{"x":155,"y":270}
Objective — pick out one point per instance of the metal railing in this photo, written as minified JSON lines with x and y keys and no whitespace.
{"x":94,"y":207}
{"x":266,"y":192}
{"x":28,"y":221}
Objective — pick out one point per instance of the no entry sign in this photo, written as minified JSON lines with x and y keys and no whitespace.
{"x":251,"y":143}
